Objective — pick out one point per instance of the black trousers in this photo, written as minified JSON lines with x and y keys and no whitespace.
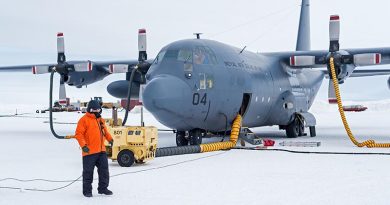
{"x":89,"y":162}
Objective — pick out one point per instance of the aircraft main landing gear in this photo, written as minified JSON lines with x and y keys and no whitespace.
{"x":295,"y":128}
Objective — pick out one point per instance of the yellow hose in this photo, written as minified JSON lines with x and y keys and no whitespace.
{"x":225,"y":145}
{"x":368,"y":143}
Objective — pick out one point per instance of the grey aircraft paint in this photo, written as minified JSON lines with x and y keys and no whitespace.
{"x":269,"y":84}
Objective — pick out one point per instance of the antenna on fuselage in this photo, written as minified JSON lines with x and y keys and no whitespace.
{"x":242,"y":49}
{"x":198,"y":35}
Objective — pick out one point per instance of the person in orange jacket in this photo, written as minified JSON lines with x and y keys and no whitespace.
{"x":91,"y":132}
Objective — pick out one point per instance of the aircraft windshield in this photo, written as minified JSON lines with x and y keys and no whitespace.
{"x":198,"y":55}
{"x":204,"y":55}
{"x":159,"y":57}
{"x":185,"y":55}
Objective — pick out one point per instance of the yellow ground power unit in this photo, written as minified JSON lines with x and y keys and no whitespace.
{"x":131,"y":143}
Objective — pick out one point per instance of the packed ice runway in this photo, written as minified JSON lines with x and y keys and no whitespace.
{"x":227,"y":177}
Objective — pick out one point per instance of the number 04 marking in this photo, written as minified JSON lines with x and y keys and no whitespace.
{"x":196,"y":99}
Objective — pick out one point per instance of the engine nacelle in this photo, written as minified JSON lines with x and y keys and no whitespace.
{"x":79,"y":79}
{"x":119,"y":89}
{"x":344,"y":72}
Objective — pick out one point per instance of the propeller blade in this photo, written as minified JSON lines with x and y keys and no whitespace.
{"x":367,"y":59}
{"x":60,"y":48}
{"x":62,"y":92}
{"x":118,"y":68}
{"x":334,"y":33}
{"x":302,"y":61}
{"x":331,"y":94}
{"x":142,"y":56}
{"x":83,"y":67}
{"x":41,"y":69}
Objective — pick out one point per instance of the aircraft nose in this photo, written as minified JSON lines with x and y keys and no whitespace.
{"x":165,"y":97}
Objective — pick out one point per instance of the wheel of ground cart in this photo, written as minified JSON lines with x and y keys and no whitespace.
{"x":292,"y":130}
{"x":195,"y":137}
{"x":126,"y":158}
{"x":181,"y":139}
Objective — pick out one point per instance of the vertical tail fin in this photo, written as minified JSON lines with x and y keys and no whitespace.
{"x":303,"y":40}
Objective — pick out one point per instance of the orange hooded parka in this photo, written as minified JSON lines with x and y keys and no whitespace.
{"x":92,"y":132}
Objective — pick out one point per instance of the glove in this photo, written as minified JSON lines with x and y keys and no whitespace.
{"x":111,"y":143}
{"x":85,"y":149}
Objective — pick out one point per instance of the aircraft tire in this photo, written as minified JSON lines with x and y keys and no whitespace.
{"x":293,"y":129}
{"x":301,"y":129}
{"x":196,"y":137}
{"x":181,"y":139}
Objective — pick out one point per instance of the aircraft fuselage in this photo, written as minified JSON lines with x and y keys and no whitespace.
{"x":204,"y":84}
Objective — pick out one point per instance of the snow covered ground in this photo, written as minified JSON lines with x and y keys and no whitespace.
{"x":234,"y":177}
{"x":28,"y":151}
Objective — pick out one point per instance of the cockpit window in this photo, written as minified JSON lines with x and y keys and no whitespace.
{"x":198,"y":55}
{"x":159,"y":57}
{"x":204,"y":55}
{"x":171,"y":54}
{"x":185,"y":55}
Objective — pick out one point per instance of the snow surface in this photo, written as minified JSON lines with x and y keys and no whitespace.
{"x":233,"y":177}
{"x":29,"y":151}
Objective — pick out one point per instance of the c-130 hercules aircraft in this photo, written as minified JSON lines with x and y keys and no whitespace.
{"x":197,"y":86}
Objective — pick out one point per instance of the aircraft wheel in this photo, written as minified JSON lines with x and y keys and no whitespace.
{"x":196,"y":137}
{"x":181,"y":139}
{"x":126,"y":158}
{"x":301,"y":129}
{"x":292,"y":130}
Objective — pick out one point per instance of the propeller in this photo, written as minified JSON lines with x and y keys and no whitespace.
{"x":138,"y":70}
{"x":63,"y":67}
{"x":344,"y":62}
{"x":62,"y":92}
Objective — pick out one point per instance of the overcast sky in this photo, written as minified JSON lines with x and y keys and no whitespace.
{"x":102,"y":29}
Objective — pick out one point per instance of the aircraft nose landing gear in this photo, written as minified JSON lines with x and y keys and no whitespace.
{"x":181,"y":139}
{"x":196,"y":136}
{"x":192,"y":137}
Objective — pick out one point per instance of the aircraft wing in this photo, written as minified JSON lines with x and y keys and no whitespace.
{"x":354,"y":58}
{"x":21,"y":68}
{"x":100,"y":65}
{"x":373,"y":72}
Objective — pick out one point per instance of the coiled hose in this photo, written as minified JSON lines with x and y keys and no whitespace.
{"x":225,"y":145}
{"x":367,"y":143}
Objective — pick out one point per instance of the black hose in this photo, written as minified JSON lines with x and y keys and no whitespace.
{"x":129,"y":95}
{"x":51,"y":107}
{"x":170,"y":151}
